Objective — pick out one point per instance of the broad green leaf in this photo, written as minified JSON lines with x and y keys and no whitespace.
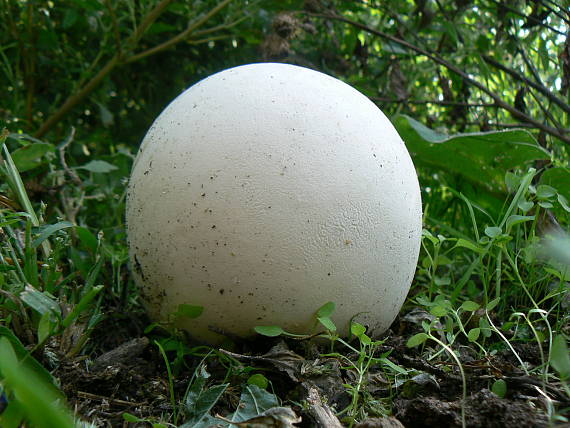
{"x":269,"y":330}
{"x":564,"y":202}
{"x":473,"y":334}
{"x":365,"y":339}
{"x":200,"y":399}
{"x":326,"y":310}
{"x":24,"y":355}
{"x":493,"y":231}
{"x":396,"y":368}
{"x":39,"y":399}
{"x":87,"y":238}
{"x":188,"y":311}
{"x":98,"y":166}
{"x":438,"y":311}
{"x":41,"y":302}
{"x":559,"y":178}
{"x":469,"y":244}
{"x":131,"y":418}
{"x":204,"y":401}
{"x":29,"y":156}
{"x":442,"y":281}
{"x":253,"y":401}
{"x":560,"y":357}
{"x":47,"y":231}
{"x":525,"y":206}
{"x":357,"y":329}
{"x":46,"y":326}
{"x":512,"y":181}
{"x":516,"y":219}
{"x":482,"y":157}
{"x":428,"y":235}
{"x":499,"y":388}
{"x":327,"y":323}
{"x":470,"y":306}
{"x":485,"y":327}
{"x":544,"y":191}
{"x":416,"y":340}
{"x":545,"y":204}
{"x":258,"y":380}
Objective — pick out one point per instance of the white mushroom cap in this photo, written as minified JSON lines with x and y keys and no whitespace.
{"x":267,"y":190}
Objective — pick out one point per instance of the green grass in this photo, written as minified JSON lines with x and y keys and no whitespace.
{"x":487,"y":278}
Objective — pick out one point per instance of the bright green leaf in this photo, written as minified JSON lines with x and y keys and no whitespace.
{"x":327,"y":323}
{"x":499,"y":388}
{"x":326,"y":310}
{"x":470,"y":306}
{"x":438,"y":311}
{"x":545,"y":204}
{"x":47,"y":231}
{"x":258,"y":380}
{"x":98,"y":166}
{"x":189,"y":311}
{"x":470,"y":245}
{"x":564,"y":202}
{"x":473,"y":334}
{"x":269,"y":330}
{"x":416,"y":340}
{"x":357,"y":329}
{"x":29,"y":156}
{"x":517,"y":219}
{"x":544,"y":191}
{"x":559,"y":178}
{"x":560,"y":357}
{"x":525,"y":206}
{"x":493,"y":231}
{"x":41,"y":302}
{"x":130,"y":418}
{"x":512,"y":181}
{"x":365,"y":339}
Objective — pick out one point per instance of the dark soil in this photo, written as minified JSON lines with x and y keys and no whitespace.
{"x":127,"y":374}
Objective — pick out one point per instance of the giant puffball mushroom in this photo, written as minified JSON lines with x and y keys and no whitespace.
{"x":263,"y":192}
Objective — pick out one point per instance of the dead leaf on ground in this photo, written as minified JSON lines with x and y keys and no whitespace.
{"x":276,"y":417}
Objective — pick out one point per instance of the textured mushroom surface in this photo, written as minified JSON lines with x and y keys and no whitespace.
{"x":263,"y":192}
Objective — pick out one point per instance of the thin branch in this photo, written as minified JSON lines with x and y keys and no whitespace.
{"x":531,"y":66}
{"x":546,"y":112}
{"x":61,"y":149}
{"x":503,"y":125}
{"x":76,"y":98}
{"x":208,"y":39}
{"x":115,"y":24}
{"x":179,"y":37}
{"x":437,"y":102}
{"x":529,"y":17}
{"x":219,"y":27}
{"x":515,"y":112}
{"x":118,"y":60}
{"x":558,"y":14}
{"x":539,"y":87}
{"x":148,"y":20}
